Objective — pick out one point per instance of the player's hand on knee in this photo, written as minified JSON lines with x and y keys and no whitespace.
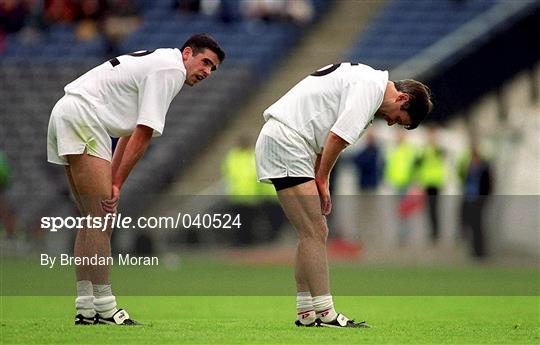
{"x":111,"y":205}
{"x":326,"y":204}
{"x":323,"y":186}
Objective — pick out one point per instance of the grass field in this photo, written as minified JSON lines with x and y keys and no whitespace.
{"x":211,"y":302}
{"x":267,"y":320}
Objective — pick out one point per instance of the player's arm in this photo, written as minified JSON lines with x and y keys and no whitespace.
{"x":118,"y":153}
{"x":333,"y":147}
{"x":318,"y":162}
{"x":134,"y":149}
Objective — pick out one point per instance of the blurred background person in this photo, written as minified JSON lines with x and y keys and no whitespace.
{"x":369,"y":165}
{"x":238,"y":170}
{"x":476,"y":177}
{"x":398,"y":173}
{"x":431,"y":176}
{"x":261,"y":215}
{"x":341,"y":245}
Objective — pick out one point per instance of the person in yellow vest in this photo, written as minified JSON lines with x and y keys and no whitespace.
{"x":431,"y":176}
{"x":398,"y":173}
{"x":238,"y":169}
{"x":257,"y":203}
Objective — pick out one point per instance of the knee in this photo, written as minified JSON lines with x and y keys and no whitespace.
{"x":91,"y":205}
{"x":317,"y":233}
{"x":98,"y":234}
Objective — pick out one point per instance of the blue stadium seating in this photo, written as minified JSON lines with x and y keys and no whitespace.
{"x":403,"y":28}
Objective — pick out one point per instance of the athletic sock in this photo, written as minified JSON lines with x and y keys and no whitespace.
{"x":305,"y":313}
{"x":84,"y":303}
{"x":324,"y":307}
{"x":104,"y":302}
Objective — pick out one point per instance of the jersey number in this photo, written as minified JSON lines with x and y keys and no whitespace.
{"x":115,"y":62}
{"x":329,"y":69}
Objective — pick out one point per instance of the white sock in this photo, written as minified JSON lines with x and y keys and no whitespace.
{"x":324,"y":307}
{"x":104,"y":302}
{"x":84,"y":303}
{"x":305,"y":312}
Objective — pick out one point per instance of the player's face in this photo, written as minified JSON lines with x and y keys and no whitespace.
{"x":401,"y":117}
{"x":199,"y":66}
{"x":396,"y":114}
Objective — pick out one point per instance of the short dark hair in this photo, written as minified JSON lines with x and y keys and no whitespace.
{"x":200,"y":42}
{"x":419,"y":103}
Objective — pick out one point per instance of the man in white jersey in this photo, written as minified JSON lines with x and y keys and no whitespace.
{"x":128,"y":98}
{"x":304,"y":133}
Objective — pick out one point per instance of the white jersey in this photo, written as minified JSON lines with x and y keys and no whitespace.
{"x":132,"y":89}
{"x":341,"y":98}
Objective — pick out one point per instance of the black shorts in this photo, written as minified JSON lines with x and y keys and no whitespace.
{"x":287,"y":182}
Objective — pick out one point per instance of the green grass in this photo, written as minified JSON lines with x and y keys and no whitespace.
{"x":268,"y":320}
{"x":206,"y":301}
{"x":206,"y":277}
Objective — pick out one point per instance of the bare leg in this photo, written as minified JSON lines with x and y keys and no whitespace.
{"x":302,"y":206}
{"x":73,"y":188}
{"x":90,"y":180}
{"x":81,"y":273}
{"x":302,"y":284}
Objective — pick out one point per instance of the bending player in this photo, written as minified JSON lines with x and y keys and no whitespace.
{"x":126,"y":97}
{"x":304,"y":133}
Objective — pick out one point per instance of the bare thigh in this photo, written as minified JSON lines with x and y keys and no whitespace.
{"x":302,"y":206}
{"x":91,"y":181}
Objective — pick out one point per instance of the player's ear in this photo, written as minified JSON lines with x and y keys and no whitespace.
{"x":402,"y":97}
{"x":403,"y":100}
{"x":186,"y":53}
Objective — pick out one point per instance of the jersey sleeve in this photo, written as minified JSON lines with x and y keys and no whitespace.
{"x":156,"y":93}
{"x":358,"y":104}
